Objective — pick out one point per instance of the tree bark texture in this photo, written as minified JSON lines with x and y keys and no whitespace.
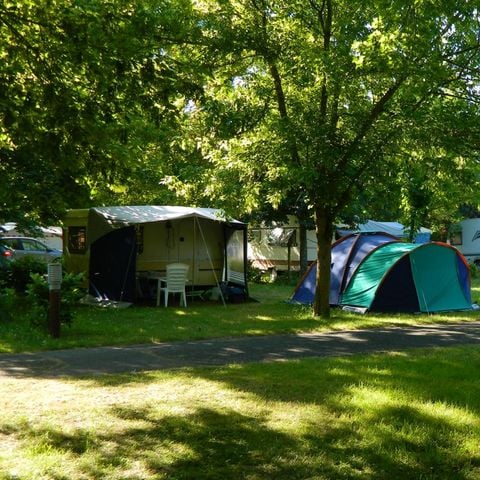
{"x":324,"y":230}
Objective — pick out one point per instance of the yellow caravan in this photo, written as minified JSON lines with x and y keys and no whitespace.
{"x":119,"y":246}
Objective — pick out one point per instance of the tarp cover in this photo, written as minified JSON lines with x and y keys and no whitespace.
{"x":393,"y":228}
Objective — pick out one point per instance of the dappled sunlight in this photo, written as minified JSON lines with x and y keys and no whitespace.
{"x":264,"y":318}
{"x":379,"y":416}
{"x":203,"y":320}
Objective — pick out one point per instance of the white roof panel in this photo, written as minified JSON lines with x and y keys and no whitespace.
{"x":131,"y":215}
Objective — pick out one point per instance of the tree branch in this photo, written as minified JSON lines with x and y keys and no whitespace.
{"x":367,"y":124}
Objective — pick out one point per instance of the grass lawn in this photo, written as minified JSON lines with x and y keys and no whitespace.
{"x":412,"y":415}
{"x":270,"y":314}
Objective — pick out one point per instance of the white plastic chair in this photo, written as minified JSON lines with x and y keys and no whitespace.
{"x":174,"y":283}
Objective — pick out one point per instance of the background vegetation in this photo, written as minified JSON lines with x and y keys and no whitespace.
{"x":335,"y":108}
{"x":328,"y":109}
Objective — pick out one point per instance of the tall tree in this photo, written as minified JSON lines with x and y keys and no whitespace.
{"x":88,"y":96}
{"x":324,"y":98}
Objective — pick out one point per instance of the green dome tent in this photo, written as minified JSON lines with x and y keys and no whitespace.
{"x":405,"y":277}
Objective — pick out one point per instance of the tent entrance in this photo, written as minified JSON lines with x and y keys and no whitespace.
{"x":112,"y":265}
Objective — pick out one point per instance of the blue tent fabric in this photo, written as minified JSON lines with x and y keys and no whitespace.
{"x":464,"y":276}
{"x":365,"y":244}
{"x":347,"y":253}
{"x":305,"y":290}
{"x":340,"y":250}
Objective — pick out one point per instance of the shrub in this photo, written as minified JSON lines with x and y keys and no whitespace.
{"x":254,"y":274}
{"x":38,"y":297}
{"x":8,"y":303}
{"x":17,"y":273}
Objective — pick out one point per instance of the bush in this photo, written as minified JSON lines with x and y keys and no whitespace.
{"x":38,"y":297}
{"x":8,"y":303}
{"x":254,"y":274}
{"x":17,"y":273}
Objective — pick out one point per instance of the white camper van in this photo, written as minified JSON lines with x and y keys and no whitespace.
{"x":466,"y":237}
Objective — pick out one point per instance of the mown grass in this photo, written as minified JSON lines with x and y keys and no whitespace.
{"x":412,"y":415}
{"x":268,"y":314}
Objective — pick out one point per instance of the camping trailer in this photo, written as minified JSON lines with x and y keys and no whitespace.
{"x":119,"y":247}
{"x":276,"y":247}
{"x":466,"y":237}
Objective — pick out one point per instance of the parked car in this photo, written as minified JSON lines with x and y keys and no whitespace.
{"x":17,"y":247}
{"x":6,"y":254}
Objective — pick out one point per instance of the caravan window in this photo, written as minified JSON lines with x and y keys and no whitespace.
{"x":77,"y":239}
{"x":282,"y":237}
{"x":456,"y":238}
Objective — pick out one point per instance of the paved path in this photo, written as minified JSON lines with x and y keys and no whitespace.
{"x":137,"y":358}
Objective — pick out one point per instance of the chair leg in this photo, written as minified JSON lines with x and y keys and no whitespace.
{"x":184,"y":297}
{"x":159,"y":292}
{"x":165,"y":292}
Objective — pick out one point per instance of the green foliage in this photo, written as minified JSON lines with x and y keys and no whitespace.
{"x":474,"y":270}
{"x":255,"y":275}
{"x":107,"y":84}
{"x":8,"y":303}
{"x":329,"y":102}
{"x":343,"y":109}
{"x":17,"y":273}
{"x":38,"y":298}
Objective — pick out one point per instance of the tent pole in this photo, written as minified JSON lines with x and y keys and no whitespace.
{"x":211,"y":262}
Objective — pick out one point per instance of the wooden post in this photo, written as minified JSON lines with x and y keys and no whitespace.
{"x":54,"y":314}
{"x":54,"y":285}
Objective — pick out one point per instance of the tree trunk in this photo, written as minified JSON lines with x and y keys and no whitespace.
{"x":324,"y":230}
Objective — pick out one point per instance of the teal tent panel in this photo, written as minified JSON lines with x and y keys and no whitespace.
{"x":363,"y":285}
{"x":435,"y":273}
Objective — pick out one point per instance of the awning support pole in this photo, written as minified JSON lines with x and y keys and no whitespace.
{"x":211,"y":262}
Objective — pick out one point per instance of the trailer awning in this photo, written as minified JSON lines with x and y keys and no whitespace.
{"x":105,"y":219}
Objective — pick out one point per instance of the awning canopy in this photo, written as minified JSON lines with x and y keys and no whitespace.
{"x":105,"y":219}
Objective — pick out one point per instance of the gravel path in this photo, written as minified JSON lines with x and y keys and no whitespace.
{"x":137,"y":358}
